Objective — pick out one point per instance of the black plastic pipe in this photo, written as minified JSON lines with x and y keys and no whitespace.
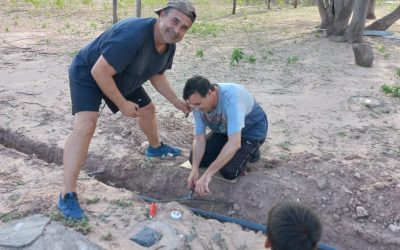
{"x":223,"y":218}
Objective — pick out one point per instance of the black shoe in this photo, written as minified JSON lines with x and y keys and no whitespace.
{"x":255,"y":156}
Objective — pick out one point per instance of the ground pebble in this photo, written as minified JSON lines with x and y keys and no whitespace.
{"x":361,"y":212}
{"x":357,"y":176}
{"x":322,"y":183}
{"x":379,"y":185}
{"x":394,"y":228}
{"x":336,"y":217}
{"x":236,"y":207}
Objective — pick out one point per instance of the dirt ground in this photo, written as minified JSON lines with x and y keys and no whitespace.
{"x":333,"y":140}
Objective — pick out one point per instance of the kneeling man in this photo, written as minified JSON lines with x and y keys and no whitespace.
{"x":238,"y":126}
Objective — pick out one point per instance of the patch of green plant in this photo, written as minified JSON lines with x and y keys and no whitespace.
{"x":107,"y":237}
{"x":237,"y":55}
{"x":220,"y":241}
{"x":6,"y":217}
{"x":342,"y":134}
{"x":79,"y":225}
{"x":7,"y":29}
{"x":391,"y":90}
{"x":200,"y":53}
{"x":44,"y":25}
{"x":87,"y":2}
{"x":397,"y":73}
{"x":267,"y":54}
{"x":14,"y":197}
{"x":35,"y":3}
{"x":381,"y":49}
{"x":292,"y":59}
{"x":205,"y":29}
{"x":122,"y":203}
{"x":59,"y":4}
{"x":94,"y":200}
{"x":93,"y":25}
{"x":251,"y":59}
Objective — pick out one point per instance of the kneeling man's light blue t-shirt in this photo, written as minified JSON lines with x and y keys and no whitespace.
{"x":236,"y":111}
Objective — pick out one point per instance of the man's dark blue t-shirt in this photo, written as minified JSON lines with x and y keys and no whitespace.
{"x":129,"y":47}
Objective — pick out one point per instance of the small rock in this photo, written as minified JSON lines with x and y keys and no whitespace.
{"x":352,"y":157}
{"x":236,"y":207}
{"x":361,"y":212}
{"x":357,"y":176}
{"x":336,"y":217}
{"x":117,"y":137}
{"x":322,"y":183}
{"x":394,"y":228}
{"x":379,"y":185}
{"x":341,"y":172}
{"x":231,"y":212}
{"x":146,"y":237}
{"x":143,"y":147}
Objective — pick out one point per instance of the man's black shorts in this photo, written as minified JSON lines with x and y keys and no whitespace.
{"x":88,"y":98}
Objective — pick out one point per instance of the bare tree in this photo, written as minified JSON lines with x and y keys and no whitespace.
{"x":354,"y":32}
{"x":115,"y":16}
{"x":234,"y":7}
{"x":335,"y":15}
{"x":138,"y":8}
{"x":371,"y":10}
{"x":385,"y":22}
{"x":268,"y":3}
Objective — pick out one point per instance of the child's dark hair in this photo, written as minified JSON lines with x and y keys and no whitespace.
{"x":197,"y":84}
{"x":292,"y":226}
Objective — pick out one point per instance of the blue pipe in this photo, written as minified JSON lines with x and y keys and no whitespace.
{"x":223,"y":218}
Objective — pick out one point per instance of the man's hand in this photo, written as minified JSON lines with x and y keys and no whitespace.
{"x":202,"y":185}
{"x":193,"y":177}
{"x":182,"y":106}
{"x":130,"y":109}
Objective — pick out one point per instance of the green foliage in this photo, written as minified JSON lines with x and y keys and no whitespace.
{"x":7,"y":29}
{"x":79,"y":225}
{"x":35,"y":3}
{"x":391,"y":90}
{"x":397,"y":73}
{"x":94,"y":200}
{"x":292,"y":59}
{"x":200,"y":53}
{"x":251,"y":59}
{"x":59,"y":4}
{"x":87,"y":2}
{"x":205,"y":29}
{"x":122,"y":203}
{"x":237,"y":55}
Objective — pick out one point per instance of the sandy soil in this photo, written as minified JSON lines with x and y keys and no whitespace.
{"x":332,"y":143}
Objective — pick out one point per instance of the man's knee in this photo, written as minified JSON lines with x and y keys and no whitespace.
{"x":85,"y":124}
{"x":229,"y":173}
{"x":148,"y":110}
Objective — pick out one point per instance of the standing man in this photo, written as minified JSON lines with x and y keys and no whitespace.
{"x":238,"y":127}
{"x":113,"y":67}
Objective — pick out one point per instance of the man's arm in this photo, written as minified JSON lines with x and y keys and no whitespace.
{"x":199,"y":146}
{"x":162,"y":85}
{"x":226,"y":154}
{"x":103,"y":73}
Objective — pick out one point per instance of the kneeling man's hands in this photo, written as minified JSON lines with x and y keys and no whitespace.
{"x":202,"y":185}
{"x":130,"y":109}
{"x":193,"y":178}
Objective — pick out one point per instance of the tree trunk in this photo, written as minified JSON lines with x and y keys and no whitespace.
{"x":234,"y":7}
{"x":385,"y":22}
{"x":295,"y":2}
{"x":371,"y":10}
{"x":335,"y":15}
{"x":115,"y":17}
{"x":356,"y":27}
{"x":268,"y":2}
{"x":138,"y":8}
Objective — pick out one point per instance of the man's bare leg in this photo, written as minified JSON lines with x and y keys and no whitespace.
{"x":148,"y":124}
{"x":76,"y":148}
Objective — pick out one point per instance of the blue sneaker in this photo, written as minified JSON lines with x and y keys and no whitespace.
{"x":163,"y":150}
{"x":69,"y":206}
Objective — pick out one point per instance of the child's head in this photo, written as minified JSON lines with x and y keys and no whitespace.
{"x":292,"y":226}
